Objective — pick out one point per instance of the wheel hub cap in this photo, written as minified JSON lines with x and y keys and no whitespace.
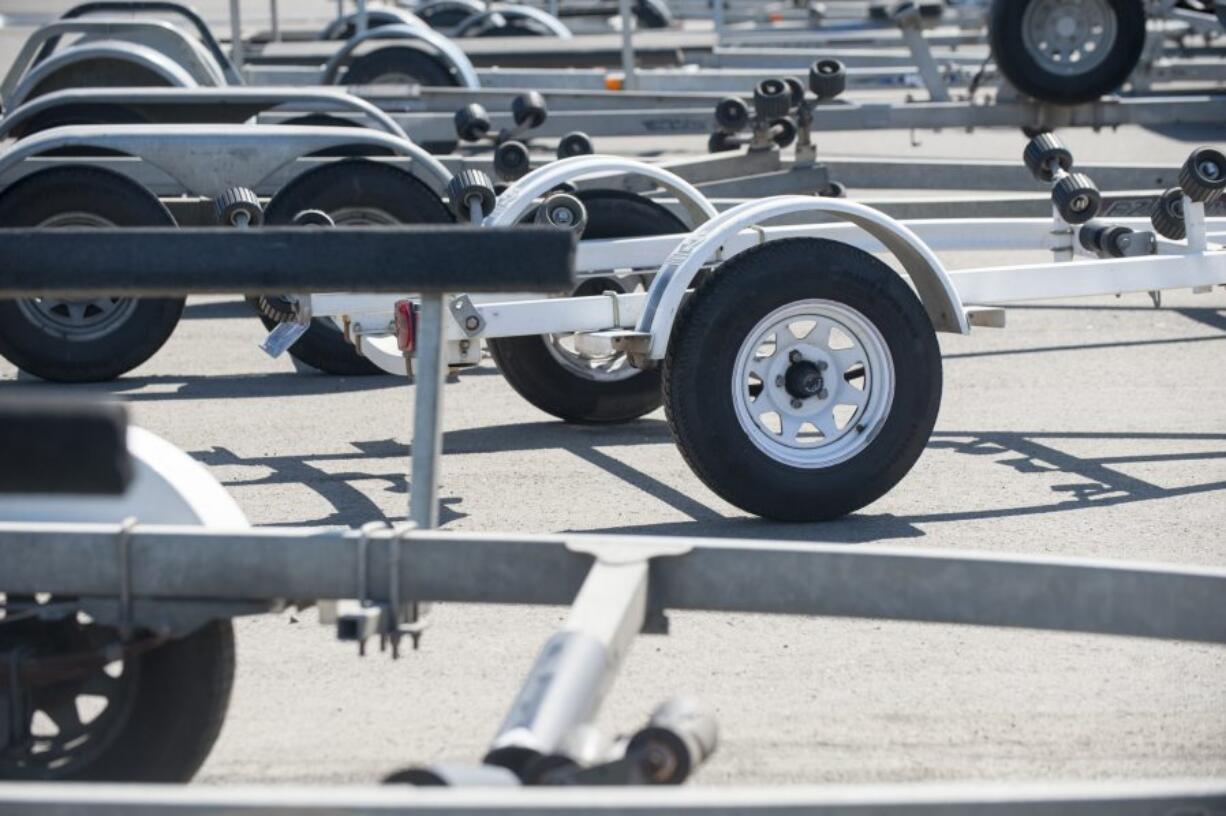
{"x":1069,"y":37}
{"x":803,"y":380}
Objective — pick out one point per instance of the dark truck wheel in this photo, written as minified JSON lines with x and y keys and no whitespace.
{"x":803,"y":380}
{"x":353,"y":193}
{"x":83,"y":340}
{"x":1063,"y":52}
{"x":152,"y":716}
{"x":549,"y":373}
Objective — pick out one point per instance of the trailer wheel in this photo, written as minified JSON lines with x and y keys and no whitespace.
{"x":549,"y":373}
{"x":103,"y":72}
{"x":1067,"y":53}
{"x":803,"y":380}
{"x":148,"y":717}
{"x":353,"y":192}
{"x":76,"y":340}
{"x":400,"y":65}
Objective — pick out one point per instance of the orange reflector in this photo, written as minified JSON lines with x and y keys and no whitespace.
{"x":775,"y":17}
{"x":406,"y":326}
{"x":614,"y":82}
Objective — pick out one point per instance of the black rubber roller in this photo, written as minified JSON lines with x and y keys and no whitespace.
{"x":1076,"y":198}
{"x":528,"y":110}
{"x":827,"y":78}
{"x":1203,"y":175}
{"x":472,"y":123}
{"x":772,"y":98}
{"x":1104,"y":240}
{"x":511,"y":160}
{"x":679,"y":737}
{"x":467,"y":188}
{"x":239,"y":207}
{"x":1044,"y":150}
{"x":576,"y":143}
{"x":1167,"y":215}
{"x":798,"y":91}
{"x":562,"y":210}
{"x":722,"y":142}
{"x":783,"y":132}
{"x":731,"y":114}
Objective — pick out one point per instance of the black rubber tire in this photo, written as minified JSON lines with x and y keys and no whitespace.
{"x":79,"y":114}
{"x":175,"y":714}
{"x":443,"y":15}
{"x":74,"y":188}
{"x":1031,"y":78}
{"x":102,"y":72}
{"x":653,"y":13}
{"x":701,"y":357}
{"x":1167,"y":215}
{"x":407,"y":60}
{"x":341,"y":185}
{"x":537,"y":376}
{"x":327,"y":120}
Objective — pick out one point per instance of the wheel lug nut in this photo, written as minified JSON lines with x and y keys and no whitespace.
{"x":822,"y":365}
{"x":779,"y":381}
{"x":796,"y":403}
{"x":795,"y":356}
{"x":823,"y":394}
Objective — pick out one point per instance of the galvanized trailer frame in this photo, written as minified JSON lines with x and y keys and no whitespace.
{"x":135,"y":575}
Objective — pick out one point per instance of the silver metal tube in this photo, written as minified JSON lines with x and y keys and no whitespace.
{"x":631,"y":81}
{"x":236,"y":34}
{"x":1109,"y":597}
{"x":577,"y":665}
{"x":362,"y":21}
{"x":276,"y":20}
{"x":427,"y":413}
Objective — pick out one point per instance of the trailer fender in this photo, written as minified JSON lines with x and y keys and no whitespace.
{"x":521,"y":196}
{"x":141,"y":57}
{"x":704,"y":244}
{"x":552,"y":24}
{"x":447,"y":50}
{"x":210,"y":159}
{"x":375,"y":18}
{"x":168,"y":487}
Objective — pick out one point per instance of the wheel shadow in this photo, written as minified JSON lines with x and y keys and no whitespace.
{"x":169,"y":387}
{"x":1094,"y":481}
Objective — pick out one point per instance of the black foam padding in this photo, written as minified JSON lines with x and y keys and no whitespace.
{"x":165,"y":261}
{"x":63,"y":446}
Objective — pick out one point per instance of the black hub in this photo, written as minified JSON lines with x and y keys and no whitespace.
{"x":803,"y":380}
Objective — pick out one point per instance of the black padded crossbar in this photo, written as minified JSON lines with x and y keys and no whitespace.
{"x":164,"y":261}
{"x":63,"y":446}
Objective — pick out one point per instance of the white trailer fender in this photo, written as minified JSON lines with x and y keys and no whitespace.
{"x":447,"y":50}
{"x":375,"y":18}
{"x":168,"y":487}
{"x":140,"y":56}
{"x":511,"y":11}
{"x":669,"y":286}
{"x":210,"y":159}
{"x":520,"y":197}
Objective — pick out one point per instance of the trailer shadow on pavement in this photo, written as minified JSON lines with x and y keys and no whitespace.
{"x":1074,"y":481}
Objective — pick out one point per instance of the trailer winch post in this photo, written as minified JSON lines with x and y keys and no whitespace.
{"x":236,"y":34}
{"x":631,"y":81}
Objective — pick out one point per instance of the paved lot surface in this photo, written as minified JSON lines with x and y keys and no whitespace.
{"x":1096,"y":428}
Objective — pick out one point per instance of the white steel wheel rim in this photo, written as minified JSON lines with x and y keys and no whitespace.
{"x":79,"y":321}
{"x":1069,"y":37}
{"x":613,"y":367}
{"x":855,"y":377}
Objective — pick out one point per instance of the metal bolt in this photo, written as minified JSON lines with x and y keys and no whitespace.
{"x":822,"y":365}
{"x":1080,"y":204}
{"x":823,"y":394}
{"x":779,"y":381}
{"x":563,"y":215}
{"x":796,"y":403}
{"x":795,"y":356}
{"x":472,"y":322}
{"x":1210,"y":170}
{"x":465,"y":345}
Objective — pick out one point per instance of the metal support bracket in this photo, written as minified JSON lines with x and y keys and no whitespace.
{"x":466,"y":315}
